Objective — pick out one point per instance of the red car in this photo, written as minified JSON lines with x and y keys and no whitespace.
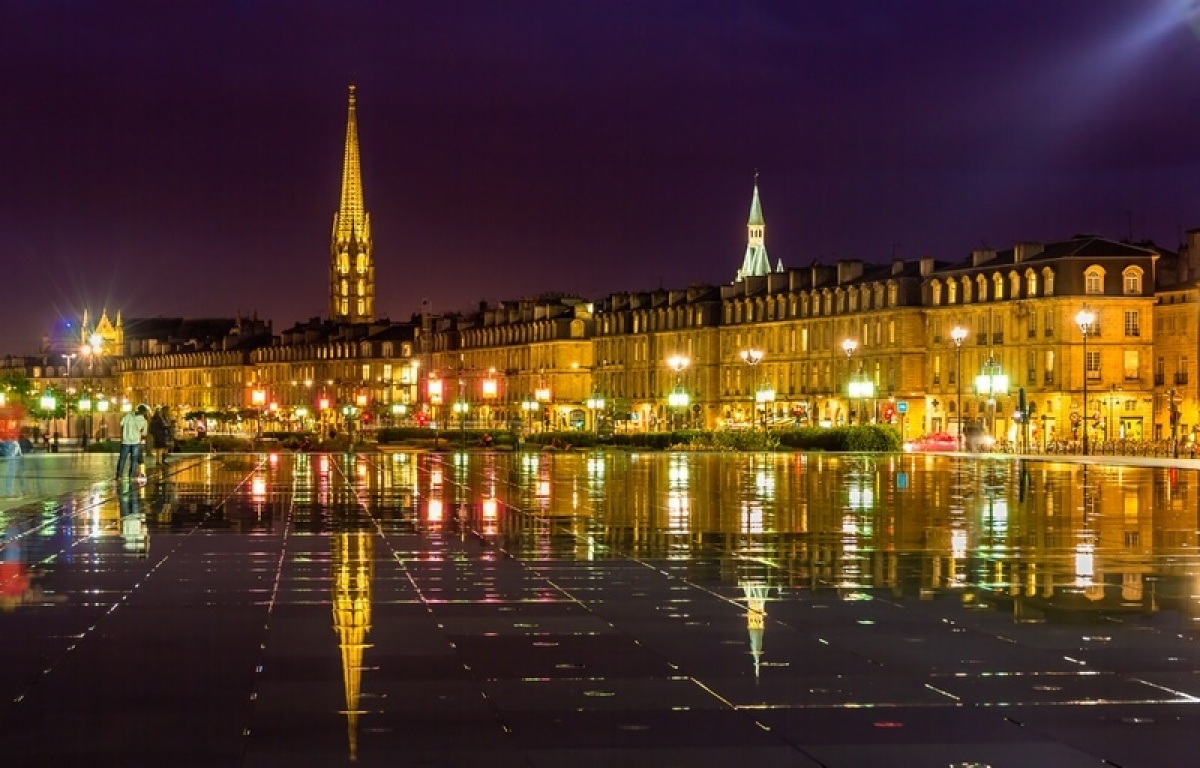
{"x":938,"y":441}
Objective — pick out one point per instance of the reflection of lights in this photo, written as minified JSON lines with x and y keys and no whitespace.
{"x":764,"y":482}
{"x":323,"y":465}
{"x":435,"y":478}
{"x":1085,"y":563}
{"x":752,"y":518}
{"x":274,"y":459}
{"x":595,"y":467}
{"x":434,"y":514}
{"x":862,"y":498}
{"x":958,"y":544}
{"x":258,"y":487}
{"x":678,"y":512}
{"x":543,"y":489}
{"x":490,"y":509}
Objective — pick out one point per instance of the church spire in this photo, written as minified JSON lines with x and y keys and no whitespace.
{"x":756,"y":262}
{"x":352,"y":268}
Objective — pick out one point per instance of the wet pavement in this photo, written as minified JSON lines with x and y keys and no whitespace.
{"x":594,"y":609}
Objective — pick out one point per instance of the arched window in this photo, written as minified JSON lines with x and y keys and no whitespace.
{"x":1131,"y":280}
{"x":980,"y":288}
{"x":997,"y":287}
{"x":936,"y":292}
{"x":966,"y":290}
{"x":951,"y":291}
{"x":1031,"y":283}
{"x":1048,"y":281}
{"x":1093,"y":280}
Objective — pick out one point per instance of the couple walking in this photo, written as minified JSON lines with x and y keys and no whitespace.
{"x":138,"y":427}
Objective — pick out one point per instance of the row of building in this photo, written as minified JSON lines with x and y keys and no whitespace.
{"x":1038,"y":343}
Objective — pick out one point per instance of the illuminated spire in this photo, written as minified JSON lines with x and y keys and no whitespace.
{"x":351,"y":215}
{"x":352,"y":268}
{"x":756,"y":263}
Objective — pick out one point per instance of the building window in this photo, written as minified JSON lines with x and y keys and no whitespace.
{"x":937,"y":293}
{"x":1132,"y":360}
{"x":1091,"y":364}
{"x":1048,"y":371}
{"x":1133,"y":323}
{"x":1030,"y":283}
{"x":1093,"y":281}
{"x":951,"y":292}
{"x":997,"y":287}
{"x":1133,"y":281}
{"x":1048,"y":281}
{"x":1032,"y":333}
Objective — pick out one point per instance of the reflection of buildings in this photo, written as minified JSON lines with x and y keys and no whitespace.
{"x":352,"y":571}
{"x":756,"y":593}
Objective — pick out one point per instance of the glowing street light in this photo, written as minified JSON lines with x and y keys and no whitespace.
{"x":752,"y":357}
{"x":678,"y":398}
{"x":958,"y":334}
{"x":1085,"y":319}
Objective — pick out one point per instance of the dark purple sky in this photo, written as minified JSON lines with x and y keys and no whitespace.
{"x":184,"y":158}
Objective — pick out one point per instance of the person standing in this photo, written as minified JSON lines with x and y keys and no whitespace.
{"x":133,"y":432}
{"x":162,"y":435}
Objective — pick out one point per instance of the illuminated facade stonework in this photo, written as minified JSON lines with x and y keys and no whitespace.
{"x":352,"y":265}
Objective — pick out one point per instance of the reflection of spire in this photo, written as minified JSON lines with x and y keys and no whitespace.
{"x":756,"y":593}
{"x":352,"y":562}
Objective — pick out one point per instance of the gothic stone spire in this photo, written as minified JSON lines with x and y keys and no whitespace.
{"x":352,"y":267}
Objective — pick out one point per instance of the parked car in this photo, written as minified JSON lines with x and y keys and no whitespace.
{"x":938,"y":441}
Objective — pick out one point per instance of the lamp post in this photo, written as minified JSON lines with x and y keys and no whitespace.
{"x":958,"y":334}
{"x":461,"y":407}
{"x":595,"y":404}
{"x":992,"y":382}
{"x":678,"y":399}
{"x":752,"y":357}
{"x":490,"y":388}
{"x":849,"y":346}
{"x":1085,"y":318}
{"x":530,"y":406}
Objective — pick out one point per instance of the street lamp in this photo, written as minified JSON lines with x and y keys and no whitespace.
{"x":992,"y":382}
{"x":1084,"y":319}
{"x":958,"y":334}
{"x":752,"y":357}
{"x":849,"y":346}
{"x":678,"y":398}
{"x":530,"y":406}
{"x":595,"y":404}
{"x":461,"y":407}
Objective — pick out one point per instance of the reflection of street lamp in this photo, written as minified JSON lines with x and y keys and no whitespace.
{"x":752,"y":357}
{"x":1084,"y":320}
{"x":958,"y":334}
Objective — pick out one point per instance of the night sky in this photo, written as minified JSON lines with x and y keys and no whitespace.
{"x":184,"y":159}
